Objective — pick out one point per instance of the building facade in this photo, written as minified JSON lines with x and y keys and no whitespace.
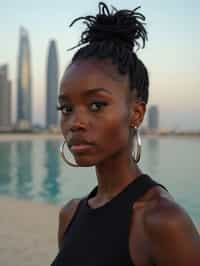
{"x":52,"y":86}
{"x":153,"y":117}
{"x":5,"y":99}
{"x":24,"y":82}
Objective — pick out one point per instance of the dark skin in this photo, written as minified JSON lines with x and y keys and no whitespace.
{"x":161,"y":231}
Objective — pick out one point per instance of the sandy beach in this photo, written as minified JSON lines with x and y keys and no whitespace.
{"x":28,"y":232}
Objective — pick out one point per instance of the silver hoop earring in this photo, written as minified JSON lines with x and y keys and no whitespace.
{"x":62,"y":147}
{"x":138,"y":145}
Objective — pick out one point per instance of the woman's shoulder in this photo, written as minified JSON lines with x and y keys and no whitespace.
{"x":66,"y":214}
{"x":162,"y":212}
{"x":67,"y":209}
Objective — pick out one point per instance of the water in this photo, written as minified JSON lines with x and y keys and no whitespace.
{"x":34,"y":170}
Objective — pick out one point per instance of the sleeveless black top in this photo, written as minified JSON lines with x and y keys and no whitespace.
{"x":100,"y":237}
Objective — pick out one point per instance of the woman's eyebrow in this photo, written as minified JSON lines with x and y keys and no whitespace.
{"x":96,"y":90}
{"x":64,"y":97}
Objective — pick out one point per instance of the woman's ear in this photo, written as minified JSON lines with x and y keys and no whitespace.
{"x":137,"y":112}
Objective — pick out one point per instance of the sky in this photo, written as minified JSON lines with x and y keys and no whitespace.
{"x":172,"y":53}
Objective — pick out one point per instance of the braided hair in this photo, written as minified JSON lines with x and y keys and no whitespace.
{"x":115,"y":35}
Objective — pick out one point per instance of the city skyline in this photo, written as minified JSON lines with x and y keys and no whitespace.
{"x":171,"y":55}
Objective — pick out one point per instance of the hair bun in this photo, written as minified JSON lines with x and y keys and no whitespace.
{"x":125,"y":27}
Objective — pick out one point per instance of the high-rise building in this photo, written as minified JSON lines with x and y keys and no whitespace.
{"x":24,"y":99}
{"x":52,"y":86}
{"x":153,"y":117}
{"x":5,"y":99}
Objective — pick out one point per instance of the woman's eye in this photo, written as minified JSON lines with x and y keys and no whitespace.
{"x":65,"y":109}
{"x":95,"y":106}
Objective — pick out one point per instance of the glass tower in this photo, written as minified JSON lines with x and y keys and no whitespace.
{"x":52,"y":86}
{"x":153,"y":117}
{"x":24,"y":99}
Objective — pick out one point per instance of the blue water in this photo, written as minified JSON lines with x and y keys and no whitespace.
{"x":34,"y":170}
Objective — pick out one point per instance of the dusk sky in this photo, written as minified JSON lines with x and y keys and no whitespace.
{"x":172,"y":54}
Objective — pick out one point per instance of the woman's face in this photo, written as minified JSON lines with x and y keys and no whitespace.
{"x":96,"y":111}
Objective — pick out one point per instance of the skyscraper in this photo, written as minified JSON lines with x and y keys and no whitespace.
{"x":5,"y":99}
{"x":52,"y":86}
{"x":24,"y":99}
{"x":153,"y":117}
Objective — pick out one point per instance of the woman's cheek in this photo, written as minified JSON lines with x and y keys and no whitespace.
{"x":63,"y":125}
{"x":116,"y":133}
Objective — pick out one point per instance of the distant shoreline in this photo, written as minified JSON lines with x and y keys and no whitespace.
{"x":4,"y":137}
{"x":28,"y":136}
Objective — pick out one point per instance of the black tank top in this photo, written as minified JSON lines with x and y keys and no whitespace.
{"x":100,"y":237}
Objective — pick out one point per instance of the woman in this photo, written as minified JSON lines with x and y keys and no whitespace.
{"x":128,"y":219}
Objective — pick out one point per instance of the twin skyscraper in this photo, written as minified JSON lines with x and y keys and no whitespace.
{"x":24,"y":84}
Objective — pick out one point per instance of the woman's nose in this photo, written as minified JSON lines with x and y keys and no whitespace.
{"x":78,"y":121}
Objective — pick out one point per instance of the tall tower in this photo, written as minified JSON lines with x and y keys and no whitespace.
{"x":52,"y":86}
{"x":5,"y":99}
{"x":24,"y":99}
{"x":153,"y":117}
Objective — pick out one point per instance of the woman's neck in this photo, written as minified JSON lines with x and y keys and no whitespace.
{"x":114,"y":174}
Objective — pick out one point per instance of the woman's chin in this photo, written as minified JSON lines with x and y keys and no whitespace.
{"x":84,"y":162}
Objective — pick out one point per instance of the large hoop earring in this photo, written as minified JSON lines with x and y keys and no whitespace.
{"x":62,"y":147}
{"x":138,"y":147}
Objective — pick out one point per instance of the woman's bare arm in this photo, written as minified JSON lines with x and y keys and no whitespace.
{"x":171,"y":235}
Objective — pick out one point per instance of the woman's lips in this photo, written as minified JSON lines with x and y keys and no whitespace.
{"x":80,"y":148}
